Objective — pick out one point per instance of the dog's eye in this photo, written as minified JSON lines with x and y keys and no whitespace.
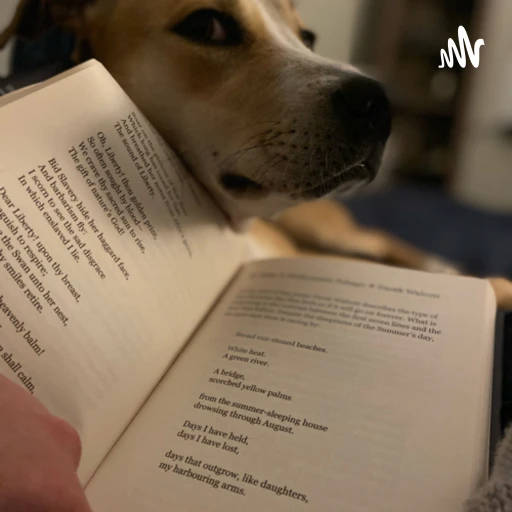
{"x":308,"y":38}
{"x":208,"y":26}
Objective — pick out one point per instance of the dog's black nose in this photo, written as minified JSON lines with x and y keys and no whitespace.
{"x":362,"y":103}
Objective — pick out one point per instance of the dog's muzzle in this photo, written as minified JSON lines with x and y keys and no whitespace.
{"x":342,"y":151}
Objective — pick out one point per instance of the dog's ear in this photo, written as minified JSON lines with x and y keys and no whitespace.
{"x":75,"y":15}
{"x":31,"y":19}
{"x":34,"y":17}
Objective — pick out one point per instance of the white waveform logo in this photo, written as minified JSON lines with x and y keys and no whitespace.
{"x":448,"y":58}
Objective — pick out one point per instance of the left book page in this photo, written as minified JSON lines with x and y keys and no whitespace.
{"x":107,"y":251}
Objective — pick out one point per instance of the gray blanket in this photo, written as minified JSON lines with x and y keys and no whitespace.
{"x":496,"y":495}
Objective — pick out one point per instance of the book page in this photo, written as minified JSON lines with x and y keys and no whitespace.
{"x":106,"y":254}
{"x":318,"y":385}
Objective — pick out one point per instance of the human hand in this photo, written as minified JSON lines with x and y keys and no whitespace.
{"x":39,"y":456}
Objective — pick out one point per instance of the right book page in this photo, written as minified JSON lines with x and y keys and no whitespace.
{"x":323,"y":385}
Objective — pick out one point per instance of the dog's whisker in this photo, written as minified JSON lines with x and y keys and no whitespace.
{"x":265,"y":166}
{"x":252,"y":125}
{"x":326,"y":160}
{"x":286,"y":170}
{"x":237,"y":155}
{"x":276,"y":136}
{"x":246,"y":142}
{"x":310,"y":168}
{"x":230,"y":162}
{"x":279,"y":158}
{"x":262,"y":134}
{"x":269,"y":167}
{"x":233,"y":157}
{"x":264,"y":141}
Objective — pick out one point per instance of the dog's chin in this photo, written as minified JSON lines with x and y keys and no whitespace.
{"x":245,"y":189}
{"x":345,"y":183}
{"x":243,"y":199}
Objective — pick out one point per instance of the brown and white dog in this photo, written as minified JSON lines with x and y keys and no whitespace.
{"x":270,"y":128}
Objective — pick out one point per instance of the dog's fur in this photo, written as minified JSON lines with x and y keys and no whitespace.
{"x":256,"y":117}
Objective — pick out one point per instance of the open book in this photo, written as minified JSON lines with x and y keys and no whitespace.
{"x":202,"y":380}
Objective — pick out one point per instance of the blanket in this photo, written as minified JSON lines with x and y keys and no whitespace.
{"x":496,"y":495}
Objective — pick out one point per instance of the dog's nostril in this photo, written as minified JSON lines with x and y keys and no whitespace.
{"x":365,"y":97}
{"x":363,"y":101}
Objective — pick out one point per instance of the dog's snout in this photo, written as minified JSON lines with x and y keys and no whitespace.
{"x":362,"y":103}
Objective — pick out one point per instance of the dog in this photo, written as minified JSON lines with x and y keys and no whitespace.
{"x":271,"y":129}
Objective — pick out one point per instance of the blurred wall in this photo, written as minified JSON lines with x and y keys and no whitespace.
{"x":6,"y":11}
{"x":334,"y":20}
{"x":484,"y":174}
{"x":335,"y":23}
